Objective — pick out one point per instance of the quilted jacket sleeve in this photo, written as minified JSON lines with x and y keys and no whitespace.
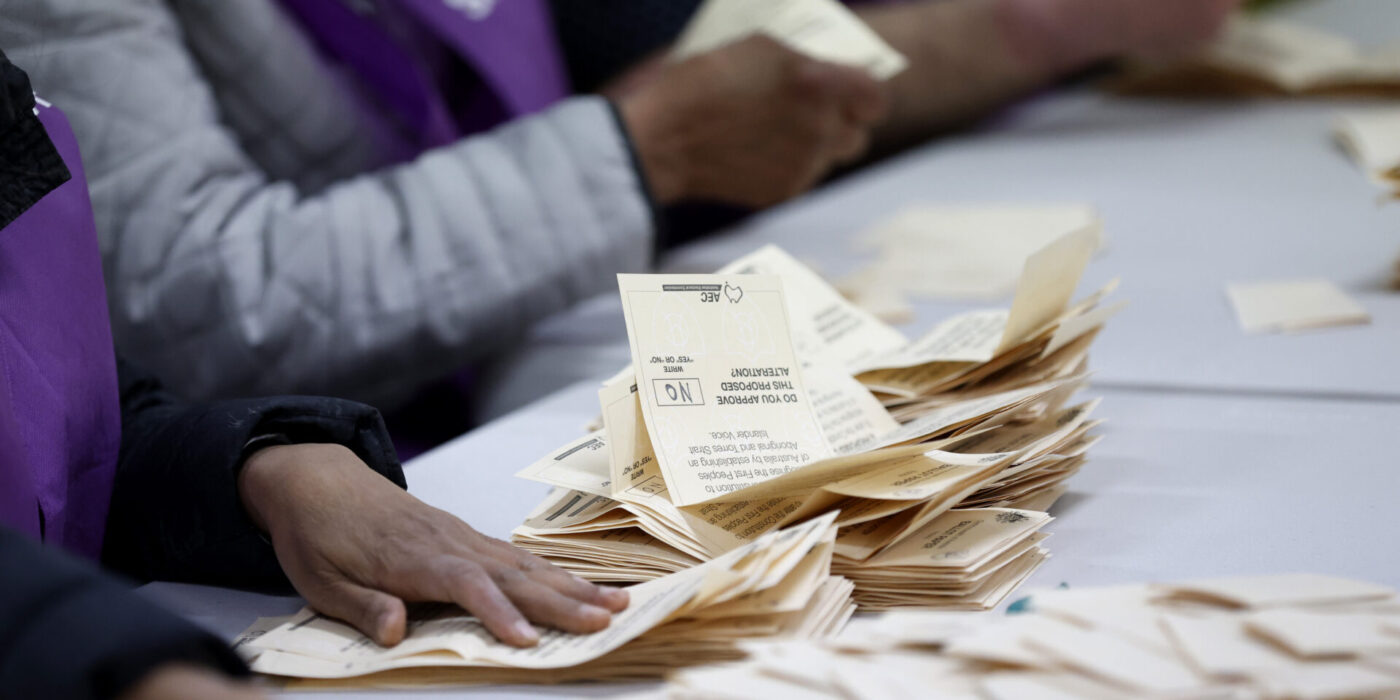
{"x":234,"y":282}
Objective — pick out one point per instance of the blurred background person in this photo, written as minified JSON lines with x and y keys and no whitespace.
{"x":287,"y":199}
{"x":290,"y":198}
{"x":97,"y":461}
{"x":966,"y":57}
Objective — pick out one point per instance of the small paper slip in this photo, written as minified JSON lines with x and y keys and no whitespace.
{"x":822,"y":29}
{"x":721,"y":388}
{"x":1294,"y":305}
{"x":1222,"y":646}
{"x":1373,"y":140}
{"x":1318,"y":634}
{"x":1286,"y":589}
{"x":963,"y":252}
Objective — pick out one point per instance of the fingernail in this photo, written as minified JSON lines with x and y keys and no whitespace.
{"x":594,"y":614}
{"x":386,"y":619}
{"x":613,"y":595}
{"x":527,"y":632}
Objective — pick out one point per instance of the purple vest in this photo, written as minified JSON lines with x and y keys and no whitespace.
{"x":60,"y":417}
{"x":401,"y":52}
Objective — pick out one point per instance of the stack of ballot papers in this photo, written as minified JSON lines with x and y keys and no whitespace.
{"x":822,"y":29}
{"x":1291,"y":636}
{"x":958,"y":252}
{"x":1372,"y":137}
{"x":778,"y":586}
{"x":1255,"y":56}
{"x":742,"y":413}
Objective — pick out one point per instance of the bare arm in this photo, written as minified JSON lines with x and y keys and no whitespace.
{"x":966,"y":57}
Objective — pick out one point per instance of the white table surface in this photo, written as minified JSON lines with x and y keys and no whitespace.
{"x":1225,"y":453}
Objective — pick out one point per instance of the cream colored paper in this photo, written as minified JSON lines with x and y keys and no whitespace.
{"x":1285,"y":589}
{"x":827,"y":330}
{"x":963,"y":252}
{"x":1372,"y":137}
{"x":1293,"y":305}
{"x":850,"y":417}
{"x":823,"y":29}
{"x":1047,"y":285}
{"x":766,"y":586}
{"x":1320,"y":634}
{"x":582,"y":464}
{"x":721,"y":388}
{"x":1221,"y":646}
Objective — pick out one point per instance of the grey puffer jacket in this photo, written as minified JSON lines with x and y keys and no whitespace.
{"x":252,"y":244}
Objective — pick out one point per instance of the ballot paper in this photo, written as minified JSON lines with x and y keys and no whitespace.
{"x":971,"y":427}
{"x":826,"y":329}
{"x":1293,"y":305}
{"x":780,"y":585}
{"x":720,"y":385}
{"x":1198,"y":649}
{"x":1255,"y":56}
{"x":1372,"y":138}
{"x":823,"y":29}
{"x":961,"y":252}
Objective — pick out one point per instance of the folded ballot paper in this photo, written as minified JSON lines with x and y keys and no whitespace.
{"x":1258,"y":56}
{"x":778,"y":585}
{"x":1290,"y":636}
{"x":760,"y":398}
{"x":823,"y":29}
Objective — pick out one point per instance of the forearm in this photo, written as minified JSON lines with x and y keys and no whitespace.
{"x":966,"y":57}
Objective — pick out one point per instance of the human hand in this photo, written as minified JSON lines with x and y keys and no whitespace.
{"x":177,"y":681}
{"x":356,"y":547}
{"x":1065,"y":34}
{"x":752,"y":123}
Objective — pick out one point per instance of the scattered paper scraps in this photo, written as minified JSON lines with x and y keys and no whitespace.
{"x":823,"y":29}
{"x":1109,"y":643}
{"x":954,"y":444}
{"x":1293,"y":305}
{"x":1372,"y":138}
{"x":1264,"y":57}
{"x":960,"y":252}
{"x":778,"y":586}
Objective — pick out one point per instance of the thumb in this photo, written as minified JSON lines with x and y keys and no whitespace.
{"x":862,"y":98}
{"x":379,"y":615}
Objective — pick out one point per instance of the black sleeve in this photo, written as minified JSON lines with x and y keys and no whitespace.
{"x":176,"y":514}
{"x":69,"y":631}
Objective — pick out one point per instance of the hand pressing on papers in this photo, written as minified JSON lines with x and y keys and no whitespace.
{"x":1058,"y":35}
{"x":752,"y":123}
{"x":357,"y":548}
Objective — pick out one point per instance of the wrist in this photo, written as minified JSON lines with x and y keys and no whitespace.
{"x":271,"y":477}
{"x":659,"y":154}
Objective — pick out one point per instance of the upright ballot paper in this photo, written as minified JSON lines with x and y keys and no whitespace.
{"x":827,"y":329}
{"x":822,"y":29}
{"x":721,"y":389}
